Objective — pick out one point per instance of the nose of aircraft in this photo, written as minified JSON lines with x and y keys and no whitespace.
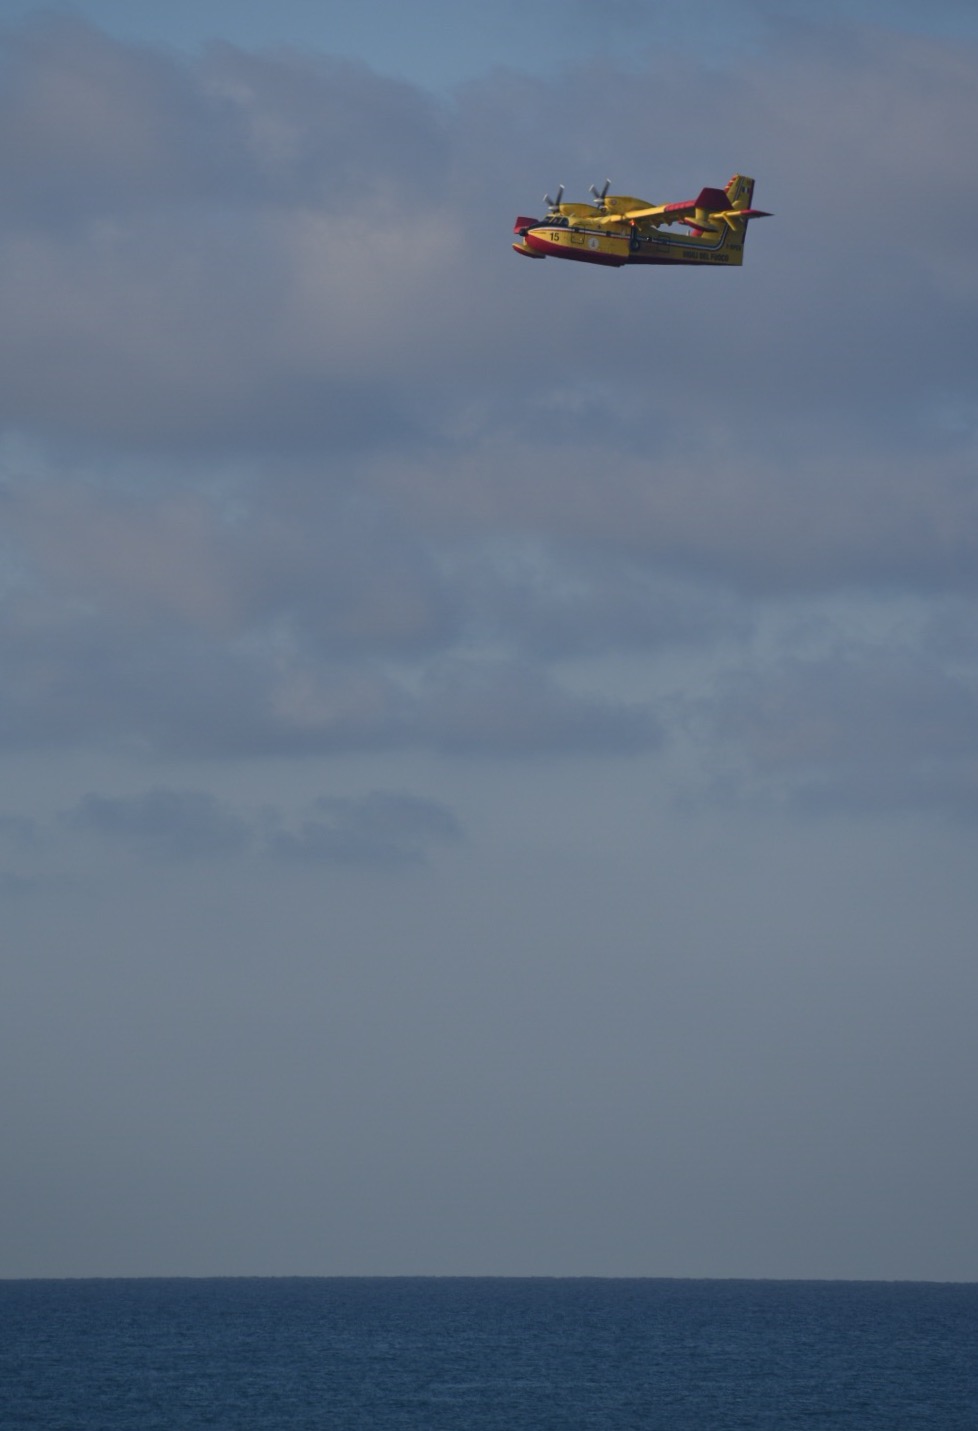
{"x":520,"y":229}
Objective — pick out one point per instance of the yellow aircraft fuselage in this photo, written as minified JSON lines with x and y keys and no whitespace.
{"x":619,"y":230}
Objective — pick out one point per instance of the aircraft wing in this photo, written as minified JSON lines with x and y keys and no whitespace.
{"x":710,"y":201}
{"x":683,"y":212}
{"x":651,"y":215}
{"x":728,"y":215}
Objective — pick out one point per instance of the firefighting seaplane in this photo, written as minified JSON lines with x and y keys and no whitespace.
{"x":617,"y":229}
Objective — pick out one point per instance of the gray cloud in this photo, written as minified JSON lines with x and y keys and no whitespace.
{"x":866,"y":729}
{"x":381,"y":829}
{"x":300,"y":459}
{"x":173,"y":824}
{"x":353,"y":284}
{"x":510,"y":708}
{"x":109,"y":127}
{"x":171,"y":692}
{"x":178,"y":265}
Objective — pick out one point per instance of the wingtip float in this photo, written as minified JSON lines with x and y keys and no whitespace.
{"x":618,"y":229}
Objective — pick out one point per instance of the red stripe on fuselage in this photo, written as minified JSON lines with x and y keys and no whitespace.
{"x":536,"y":239}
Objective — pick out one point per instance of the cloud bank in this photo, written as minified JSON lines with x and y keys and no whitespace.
{"x":298,"y":458}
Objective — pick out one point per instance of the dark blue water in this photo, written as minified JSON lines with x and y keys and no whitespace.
{"x":477,"y":1354}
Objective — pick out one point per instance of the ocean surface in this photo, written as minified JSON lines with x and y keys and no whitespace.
{"x":486,"y":1354}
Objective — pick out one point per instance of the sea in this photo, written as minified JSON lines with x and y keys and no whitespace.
{"x":486,"y":1354}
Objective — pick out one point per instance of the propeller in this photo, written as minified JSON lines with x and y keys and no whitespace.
{"x":553,"y":204}
{"x":600,"y":197}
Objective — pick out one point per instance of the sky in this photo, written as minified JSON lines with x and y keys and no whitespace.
{"x":488,"y":749}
